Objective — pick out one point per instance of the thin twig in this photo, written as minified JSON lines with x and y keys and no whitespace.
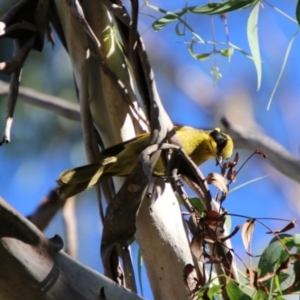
{"x":281,"y":12}
{"x":57,"y":105}
{"x":133,"y":35}
{"x":15,"y":68}
{"x":20,"y":54}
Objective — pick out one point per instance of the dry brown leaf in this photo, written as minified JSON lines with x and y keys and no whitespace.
{"x":296,"y":256}
{"x":231,"y":175}
{"x":213,"y":218}
{"x":264,"y":288}
{"x":247,"y":233}
{"x":284,"y":266}
{"x":259,"y":152}
{"x":252,"y":276}
{"x":288,"y":227}
{"x":218,"y":181}
{"x":214,"y":259}
{"x":236,"y":229}
{"x":188,"y":269}
{"x":197,"y":246}
{"x":209,"y":240}
{"x":296,"y":281}
{"x":236,"y":159}
{"x":230,"y":165}
{"x":266,"y":277}
{"x":230,"y":259}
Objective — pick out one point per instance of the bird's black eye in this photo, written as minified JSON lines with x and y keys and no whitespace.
{"x":221,"y":140}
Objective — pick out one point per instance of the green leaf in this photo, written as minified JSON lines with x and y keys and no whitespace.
{"x":215,"y":289}
{"x":170,"y":17}
{"x":203,"y":289}
{"x":252,"y":34}
{"x":162,"y":22}
{"x":295,"y":287}
{"x":282,"y":68}
{"x":273,"y":256}
{"x":240,"y":50}
{"x":177,"y":30}
{"x":277,"y":283}
{"x":281,"y":279}
{"x":260,"y":295}
{"x":297,"y":239}
{"x":167,"y":18}
{"x":200,"y":56}
{"x":209,"y":9}
{"x":216,"y":297}
{"x":228,"y":52}
{"x":298,"y":12}
{"x":235,"y":293}
{"x":220,"y":8}
{"x":197,"y":204}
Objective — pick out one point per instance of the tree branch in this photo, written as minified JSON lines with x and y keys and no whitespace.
{"x":42,"y":272}
{"x":57,"y":105}
{"x":279,"y":157}
{"x":44,"y":213}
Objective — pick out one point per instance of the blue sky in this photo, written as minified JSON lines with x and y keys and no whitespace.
{"x":30,"y":166}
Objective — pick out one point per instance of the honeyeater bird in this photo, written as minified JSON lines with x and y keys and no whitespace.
{"x":119,"y":160}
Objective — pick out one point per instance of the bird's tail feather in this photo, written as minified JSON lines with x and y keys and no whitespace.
{"x":67,"y":190}
{"x":74,"y":181}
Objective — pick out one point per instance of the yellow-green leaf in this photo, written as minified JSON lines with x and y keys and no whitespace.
{"x":282,"y":68}
{"x":252,"y":34}
{"x":228,"y":52}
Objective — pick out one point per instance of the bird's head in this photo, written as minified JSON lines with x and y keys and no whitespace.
{"x":222,"y":143}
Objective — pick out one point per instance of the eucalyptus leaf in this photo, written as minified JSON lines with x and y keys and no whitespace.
{"x":274,"y":255}
{"x":235,"y":293}
{"x":200,"y":56}
{"x":221,"y":8}
{"x":252,"y":34}
{"x":287,"y":53}
{"x":228,"y":52}
{"x":177,"y":30}
{"x":298,"y":12}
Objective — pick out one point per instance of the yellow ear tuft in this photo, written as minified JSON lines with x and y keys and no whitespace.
{"x":228,"y":149}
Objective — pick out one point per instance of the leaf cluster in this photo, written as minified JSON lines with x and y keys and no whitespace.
{"x":224,"y":49}
{"x":277,"y":273}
